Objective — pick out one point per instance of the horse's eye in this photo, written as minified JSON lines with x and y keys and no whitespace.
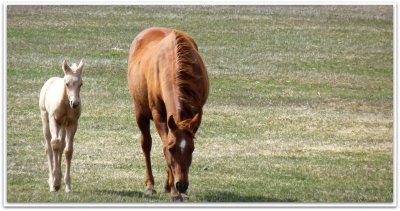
{"x":172,"y":149}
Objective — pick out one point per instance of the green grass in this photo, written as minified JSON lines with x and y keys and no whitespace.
{"x":300,"y":106}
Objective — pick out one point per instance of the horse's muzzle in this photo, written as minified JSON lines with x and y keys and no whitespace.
{"x":74,"y":104}
{"x":182,"y":186}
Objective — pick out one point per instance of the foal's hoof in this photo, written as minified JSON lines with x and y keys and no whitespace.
{"x":55,"y":188}
{"x":149,"y":192}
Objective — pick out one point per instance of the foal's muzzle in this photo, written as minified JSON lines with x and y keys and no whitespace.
{"x":182,"y":186}
{"x":74,"y":104}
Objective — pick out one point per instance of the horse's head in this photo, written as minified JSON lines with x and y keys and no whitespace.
{"x":73,"y":83}
{"x":179,"y":149}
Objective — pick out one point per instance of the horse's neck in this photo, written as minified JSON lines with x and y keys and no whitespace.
{"x":61,"y":96}
{"x":63,"y":93}
{"x":181,"y":109}
{"x":171,"y":101}
{"x":174,"y":106}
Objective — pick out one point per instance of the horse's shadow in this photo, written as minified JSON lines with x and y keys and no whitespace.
{"x":223,"y":196}
{"x":216,"y":196}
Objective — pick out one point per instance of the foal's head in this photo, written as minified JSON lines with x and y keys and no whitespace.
{"x":73,"y":83}
{"x":178,"y":152}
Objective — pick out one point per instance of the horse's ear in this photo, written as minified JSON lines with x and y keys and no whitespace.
{"x":80,"y":67}
{"x":194,"y":123}
{"x":171,"y":144}
{"x":65,"y":67}
{"x":171,"y":123}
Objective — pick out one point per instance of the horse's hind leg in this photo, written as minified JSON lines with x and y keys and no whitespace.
{"x":146,"y":142}
{"x":48,"y":149}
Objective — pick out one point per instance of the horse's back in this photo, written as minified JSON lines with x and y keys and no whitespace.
{"x":142,"y":59}
{"x":144,"y":38}
{"x":152,"y":66}
{"x":148,"y":41}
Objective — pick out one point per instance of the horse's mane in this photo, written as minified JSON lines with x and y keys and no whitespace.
{"x":187,"y":76}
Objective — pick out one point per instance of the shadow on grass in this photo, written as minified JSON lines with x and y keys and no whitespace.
{"x":220,"y":196}
{"x":135,"y":194}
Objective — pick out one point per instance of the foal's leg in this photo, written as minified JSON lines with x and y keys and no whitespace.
{"x":62,"y":139}
{"x":146,"y":142}
{"x":49,"y":151}
{"x":71,"y":130}
{"x":56,"y":147}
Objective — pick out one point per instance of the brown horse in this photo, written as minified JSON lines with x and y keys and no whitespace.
{"x":169,"y":84}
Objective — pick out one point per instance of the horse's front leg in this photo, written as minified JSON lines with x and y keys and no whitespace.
{"x":62,"y":139}
{"x":162,"y":129}
{"x":169,"y":183}
{"x":70,"y":134}
{"x":56,"y":146}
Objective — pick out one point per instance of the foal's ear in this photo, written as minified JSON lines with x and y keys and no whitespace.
{"x":80,"y":67}
{"x":65,"y":67}
{"x":171,"y":123}
{"x":194,"y":123}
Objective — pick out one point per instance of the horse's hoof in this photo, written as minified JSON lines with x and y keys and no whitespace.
{"x":176,"y":199}
{"x":68,"y":190}
{"x":185,"y":197}
{"x":167,"y":189}
{"x":180,"y":198}
{"x":149,"y":192}
{"x":57,"y":188}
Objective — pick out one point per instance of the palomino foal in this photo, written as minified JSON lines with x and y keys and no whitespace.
{"x":60,"y":106}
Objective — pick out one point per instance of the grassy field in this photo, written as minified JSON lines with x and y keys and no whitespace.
{"x":300,"y":107}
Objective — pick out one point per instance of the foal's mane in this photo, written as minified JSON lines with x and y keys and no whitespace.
{"x":187,"y":74}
